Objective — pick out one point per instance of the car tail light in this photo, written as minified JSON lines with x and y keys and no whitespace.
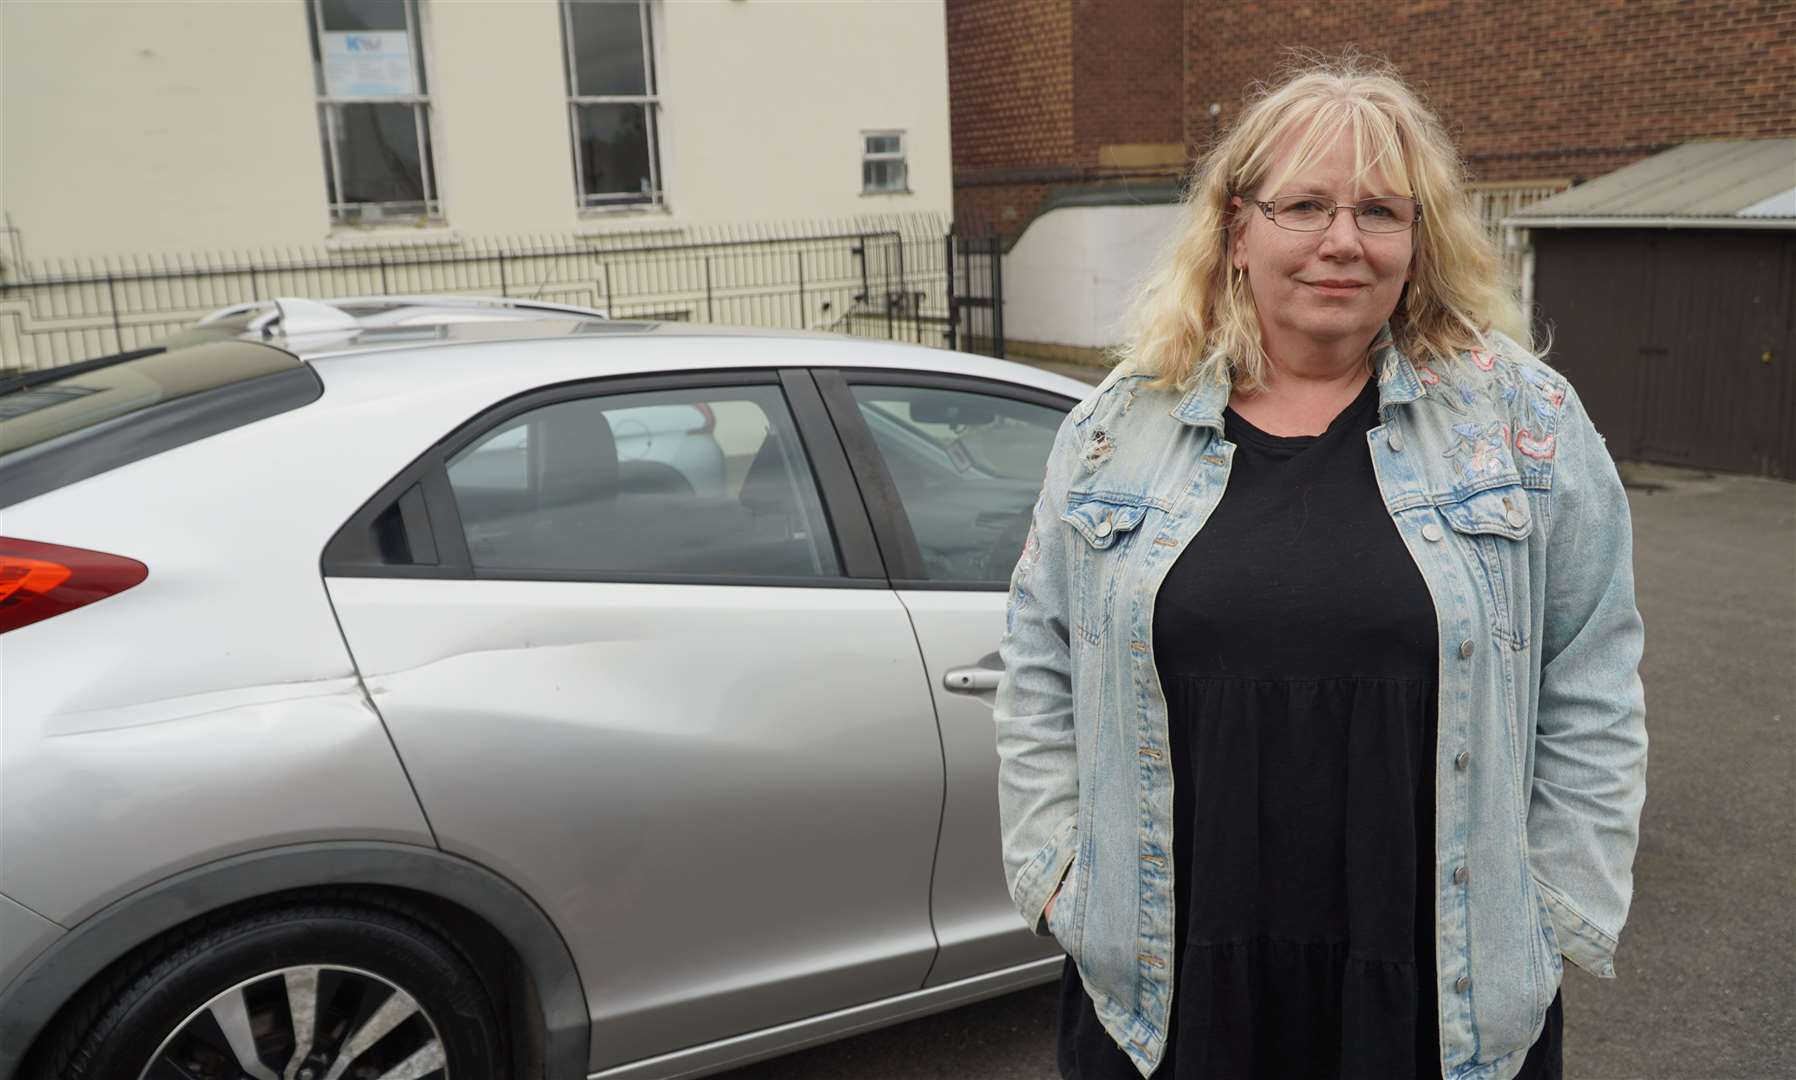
{"x":41,"y":580}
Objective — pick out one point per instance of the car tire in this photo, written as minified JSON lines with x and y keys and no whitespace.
{"x":229,"y":1000}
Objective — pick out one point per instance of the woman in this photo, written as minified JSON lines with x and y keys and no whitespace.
{"x":1321,"y":703}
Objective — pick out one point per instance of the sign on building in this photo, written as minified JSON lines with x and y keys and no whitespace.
{"x":364,"y":64}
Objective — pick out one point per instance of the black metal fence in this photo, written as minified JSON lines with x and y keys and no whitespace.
{"x":903,"y":278}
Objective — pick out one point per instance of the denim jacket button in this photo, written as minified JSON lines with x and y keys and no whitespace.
{"x":1515,"y":519}
{"x":1460,"y":875}
{"x":1396,"y":442}
{"x":1466,"y":648}
{"x":1431,"y":532}
{"x":1464,"y":759}
{"x":1463,"y":983}
{"x":1104,"y":528}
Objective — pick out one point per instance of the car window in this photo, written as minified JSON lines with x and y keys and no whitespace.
{"x":46,"y":409}
{"x":69,"y":423}
{"x":687,"y":481}
{"x":967,"y":467}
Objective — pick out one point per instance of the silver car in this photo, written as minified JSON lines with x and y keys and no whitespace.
{"x":423,"y":689}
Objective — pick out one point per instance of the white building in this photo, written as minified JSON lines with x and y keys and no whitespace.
{"x":151,"y":126}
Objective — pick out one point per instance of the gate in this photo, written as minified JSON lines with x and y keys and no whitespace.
{"x":975,"y":294}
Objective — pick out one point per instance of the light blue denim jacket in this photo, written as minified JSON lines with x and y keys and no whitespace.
{"x":1507,"y":499}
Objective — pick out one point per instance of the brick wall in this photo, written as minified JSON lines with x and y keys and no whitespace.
{"x":997,"y":209}
{"x":1529,"y":89}
{"x":1010,"y":82}
{"x":1039,"y":89}
{"x":1128,"y":68}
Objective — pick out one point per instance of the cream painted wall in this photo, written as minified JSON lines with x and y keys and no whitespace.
{"x":5,"y":251}
{"x":148,"y":126}
{"x":766,"y":101}
{"x":499,"y":92}
{"x":1068,"y":278}
{"x":173,"y":126}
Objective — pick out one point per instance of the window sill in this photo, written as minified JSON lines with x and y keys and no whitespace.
{"x":363,"y":237}
{"x":877,"y":194}
{"x":627,"y":221}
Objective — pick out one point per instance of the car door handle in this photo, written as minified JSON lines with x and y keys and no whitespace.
{"x":971,"y":680}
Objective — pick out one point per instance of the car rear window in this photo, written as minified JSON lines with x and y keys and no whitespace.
{"x":56,"y":430}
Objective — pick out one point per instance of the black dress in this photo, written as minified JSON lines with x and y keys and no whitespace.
{"x":1296,"y":645}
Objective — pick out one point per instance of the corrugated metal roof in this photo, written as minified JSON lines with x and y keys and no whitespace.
{"x":1744,"y":182}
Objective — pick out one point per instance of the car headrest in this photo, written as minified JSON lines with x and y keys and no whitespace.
{"x":576,"y":454}
{"x":767,"y":486}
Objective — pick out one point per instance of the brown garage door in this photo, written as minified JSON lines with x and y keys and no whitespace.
{"x":1682,"y":343}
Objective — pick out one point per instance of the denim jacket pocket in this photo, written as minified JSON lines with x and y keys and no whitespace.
{"x":1063,"y":917}
{"x":1555,"y":964}
{"x":1104,"y":521}
{"x":1495,"y":524}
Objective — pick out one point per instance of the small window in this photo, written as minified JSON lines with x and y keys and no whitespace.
{"x":669,"y":482}
{"x":882,"y":163}
{"x":613,"y":101}
{"x":373,"y":110}
{"x":967,"y":467}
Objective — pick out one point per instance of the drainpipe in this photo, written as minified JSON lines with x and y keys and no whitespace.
{"x":1528,"y":271}
{"x":1514,"y":238}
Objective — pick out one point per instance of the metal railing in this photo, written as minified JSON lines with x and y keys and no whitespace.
{"x":894,"y":278}
{"x":1495,"y":201}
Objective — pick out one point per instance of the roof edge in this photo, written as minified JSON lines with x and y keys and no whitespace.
{"x":1654,"y":222}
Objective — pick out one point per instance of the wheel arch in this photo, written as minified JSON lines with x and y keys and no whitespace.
{"x":35,"y":998}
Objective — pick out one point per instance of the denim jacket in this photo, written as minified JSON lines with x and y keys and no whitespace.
{"x":1506,"y":497}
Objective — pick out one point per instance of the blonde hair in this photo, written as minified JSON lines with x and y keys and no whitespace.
{"x":1193,"y":315}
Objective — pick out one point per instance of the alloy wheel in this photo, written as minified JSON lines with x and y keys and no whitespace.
{"x":315,"y":1022}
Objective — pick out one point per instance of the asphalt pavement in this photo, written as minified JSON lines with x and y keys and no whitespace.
{"x":1707,"y":965}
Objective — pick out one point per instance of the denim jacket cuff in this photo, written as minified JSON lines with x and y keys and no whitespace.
{"x":1582,"y":941}
{"x":1043,"y":875}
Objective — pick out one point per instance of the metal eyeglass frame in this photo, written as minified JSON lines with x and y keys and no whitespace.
{"x":1266,"y":208}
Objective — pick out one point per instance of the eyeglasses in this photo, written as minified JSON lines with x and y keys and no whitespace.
{"x":1312,"y":213}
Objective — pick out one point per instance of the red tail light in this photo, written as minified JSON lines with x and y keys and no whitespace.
{"x":41,"y":580}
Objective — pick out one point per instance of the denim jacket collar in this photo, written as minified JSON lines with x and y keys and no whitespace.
{"x":1398,"y":384}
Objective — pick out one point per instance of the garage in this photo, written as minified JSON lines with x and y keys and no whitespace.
{"x":1669,"y":290}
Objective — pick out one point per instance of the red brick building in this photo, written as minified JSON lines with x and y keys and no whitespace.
{"x":1047,"y":94}
{"x":1053,"y":96}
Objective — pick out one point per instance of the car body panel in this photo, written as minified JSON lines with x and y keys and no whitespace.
{"x":228,"y":706}
{"x":965,"y":479}
{"x":975,"y":920}
{"x":24,"y":935}
{"x":687,"y":834}
{"x":733,"y":1053}
{"x":536,"y":354}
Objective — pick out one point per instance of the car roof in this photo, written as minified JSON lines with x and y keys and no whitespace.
{"x":343,"y":326}
{"x":335,"y":332}
{"x":304,"y":326}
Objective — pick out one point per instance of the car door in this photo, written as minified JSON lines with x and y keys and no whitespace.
{"x":952,"y":467}
{"x":634,"y":643}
